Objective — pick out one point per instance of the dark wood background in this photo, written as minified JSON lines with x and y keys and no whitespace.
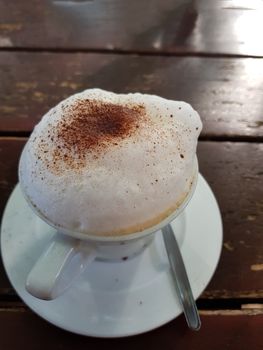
{"x":208,"y":53}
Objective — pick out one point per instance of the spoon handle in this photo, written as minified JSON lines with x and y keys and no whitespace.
{"x":182,"y":284}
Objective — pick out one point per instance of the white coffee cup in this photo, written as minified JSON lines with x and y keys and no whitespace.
{"x":47,"y":279}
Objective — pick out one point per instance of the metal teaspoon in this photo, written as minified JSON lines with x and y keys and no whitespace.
{"x":180,"y":277}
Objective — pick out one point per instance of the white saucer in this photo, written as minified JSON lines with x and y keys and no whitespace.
{"x":119,"y":298}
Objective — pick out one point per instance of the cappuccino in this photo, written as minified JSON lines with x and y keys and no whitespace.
{"x":110,"y":164}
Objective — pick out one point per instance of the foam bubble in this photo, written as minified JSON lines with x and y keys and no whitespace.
{"x":106,"y":164}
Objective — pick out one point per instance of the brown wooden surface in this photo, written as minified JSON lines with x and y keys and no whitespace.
{"x":220,"y":330}
{"x":10,"y":150}
{"x":226,"y":92}
{"x":235,"y":174}
{"x":189,"y":26}
{"x":225,"y":166}
{"x":54,"y":48}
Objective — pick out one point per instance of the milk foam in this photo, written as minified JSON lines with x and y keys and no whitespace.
{"x":118,"y":183}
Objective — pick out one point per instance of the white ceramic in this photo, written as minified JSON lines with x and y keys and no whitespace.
{"x":118,"y":298}
{"x":51,"y":274}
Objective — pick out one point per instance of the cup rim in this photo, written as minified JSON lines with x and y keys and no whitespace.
{"x":129,"y":236}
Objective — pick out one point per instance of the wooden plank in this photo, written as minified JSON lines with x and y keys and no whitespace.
{"x":200,"y":26}
{"x":235,"y":174}
{"x":232,"y":332}
{"x":226,"y":92}
{"x":10,"y":150}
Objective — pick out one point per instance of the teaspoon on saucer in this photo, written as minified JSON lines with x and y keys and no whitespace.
{"x":182,"y":284}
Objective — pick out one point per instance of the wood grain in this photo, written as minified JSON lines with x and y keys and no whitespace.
{"x":226,"y":92}
{"x":10,"y":150}
{"x":180,"y":49}
{"x":235,"y":174}
{"x":189,"y":26}
{"x":218,"y":332}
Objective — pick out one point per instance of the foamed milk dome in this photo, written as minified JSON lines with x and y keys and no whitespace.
{"x":110,"y":164}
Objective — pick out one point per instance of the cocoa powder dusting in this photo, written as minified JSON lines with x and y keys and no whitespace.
{"x":91,"y":127}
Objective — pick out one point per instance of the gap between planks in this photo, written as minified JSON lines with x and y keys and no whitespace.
{"x":23,"y":135}
{"x":118,"y":51}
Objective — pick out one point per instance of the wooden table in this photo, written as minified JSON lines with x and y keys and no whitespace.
{"x":209,"y":53}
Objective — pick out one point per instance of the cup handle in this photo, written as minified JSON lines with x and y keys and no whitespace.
{"x":47,"y":279}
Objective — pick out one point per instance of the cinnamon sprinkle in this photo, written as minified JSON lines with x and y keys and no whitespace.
{"x":90,"y":127}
